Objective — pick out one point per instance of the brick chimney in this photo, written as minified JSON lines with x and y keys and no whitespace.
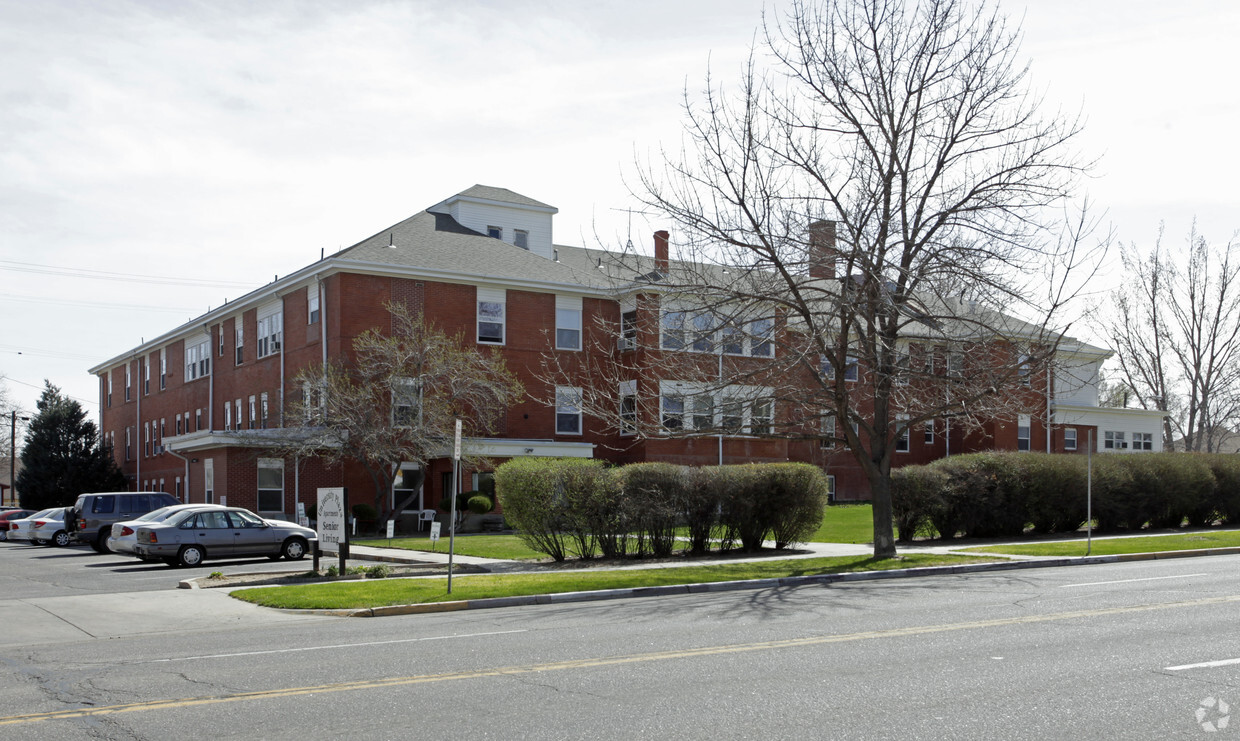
{"x":660,"y":251}
{"x":822,"y":252}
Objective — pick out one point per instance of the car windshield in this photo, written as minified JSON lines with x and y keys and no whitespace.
{"x":178,"y":517}
{"x":158,"y":515}
{"x":42,"y":513}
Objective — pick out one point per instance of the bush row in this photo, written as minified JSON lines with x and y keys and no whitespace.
{"x":583,"y":507}
{"x":1006,"y":494}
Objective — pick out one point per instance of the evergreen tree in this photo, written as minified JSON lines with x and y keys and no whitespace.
{"x":62,"y":456}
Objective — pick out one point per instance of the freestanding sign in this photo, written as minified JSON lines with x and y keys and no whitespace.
{"x":331,"y":517}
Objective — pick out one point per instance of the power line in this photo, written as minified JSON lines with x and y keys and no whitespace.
{"x":41,"y":388}
{"x":30,"y":267}
{"x":96,"y":304}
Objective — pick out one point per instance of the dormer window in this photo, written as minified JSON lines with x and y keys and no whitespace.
{"x":521,"y":238}
{"x":496,"y":232}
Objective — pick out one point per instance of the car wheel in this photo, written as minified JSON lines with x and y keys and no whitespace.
{"x":294,"y":549}
{"x":61,"y":539}
{"x":191,"y":555}
{"x":36,"y":541}
{"x":101,"y":542}
{"x":4,"y":535}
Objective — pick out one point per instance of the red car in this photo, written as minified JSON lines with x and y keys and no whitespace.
{"x":11,"y":514}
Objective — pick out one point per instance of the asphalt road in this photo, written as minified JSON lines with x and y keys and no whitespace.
{"x":1136,"y":650}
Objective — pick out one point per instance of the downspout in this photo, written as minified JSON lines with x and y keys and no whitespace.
{"x":283,"y":345}
{"x":170,"y":450}
{"x":1049,"y":411}
{"x":211,"y":346}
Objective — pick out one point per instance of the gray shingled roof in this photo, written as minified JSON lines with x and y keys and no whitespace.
{"x":492,"y":193}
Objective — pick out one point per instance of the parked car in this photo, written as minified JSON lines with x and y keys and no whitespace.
{"x":19,"y":529}
{"x":94,"y":514}
{"x":125,"y":534}
{"x":8,"y":515}
{"x":50,"y":528}
{"x":190,"y":537}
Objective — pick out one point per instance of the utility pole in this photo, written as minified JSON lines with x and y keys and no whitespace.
{"x":13,"y":455}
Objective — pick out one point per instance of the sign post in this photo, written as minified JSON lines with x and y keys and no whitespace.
{"x":332,"y":516}
{"x":456,"y":486}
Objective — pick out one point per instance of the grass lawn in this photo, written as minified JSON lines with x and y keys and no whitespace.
{"x":507,"y":547}
{"x":1117,"y":546}
{"x":377,"y":593}
{"x":846,"y":523}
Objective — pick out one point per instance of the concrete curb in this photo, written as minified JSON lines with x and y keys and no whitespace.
{"x":754,"y":584}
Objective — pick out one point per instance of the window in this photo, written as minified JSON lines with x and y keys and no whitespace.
{"x":239,"y":351}
{"x":178,"y":491}
{"x":197,"y":358}
{"x":761,"y":333}
{"x":312,"y":402}
{"x":262,"y":410}
{"x":762,"y":417}
{"x":628,"y":407}
{"x":929,"y":439}
{"x":270,"y":330}
{"x":495,"y":232}
{"x":521,"y":238}
{"x":1024,"y":370}
{"x":673,"y":330}
{"x":1023,"y":423}
{"x":830,"y":487}
{"x":673,"y":411}
{"x":253,"y":412}
{"x":270,"y":485}
{"x":128,"y":382}
{"x":955,"y":365}
{"x":827,"y":430}
{"x":162,"y":430}
{"x":197,"y":419}
{"x":628,"y":330}
{"x":128,"y":444}
{"x":1142,"y":441}
{"x":491,"y":319}
{"x":703,"y":332}
{"x":1069,"y":439}
{"x":850,"y":368}
{"x":163,"y":368}
{"x":146,"y":376}
{"x":902,"y":438}
{"x":1112,"y":440}
{"x":109,"y":389}
{"x":567,"y":323}
{"x":567,"y":410}
{"x":703,"y":416}
{"x":732,"y":417}
{"x":900,"y":367}
{"x":732,"y":340}
{"x":208,"y":481}
{"x":312,"y":305}
{"x":237,"y":408}
{"x":146,"y":439}
{"x":406,"y":395}
{"x":227,"y":415}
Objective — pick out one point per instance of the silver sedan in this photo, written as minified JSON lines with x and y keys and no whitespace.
{"x":188,"y":538}
{"x":125,"y":534}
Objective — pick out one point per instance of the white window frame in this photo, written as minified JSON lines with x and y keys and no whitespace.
{"x":1114,"y":440}
{"x":851,"y":366}
{"x":270,"y":330}
{"x":240,"y":419}
{"x":1069,"y":438}
{"x":568,"y":323}
{"x":129,"y":382}
{"x":239,"y":334}
{"x":1143,"y":441}
{"x":904,"y":439}
{"x":197,"y":358}
{"x":672,"y":408}
{"x":262,"y":410}
{"x":826,"y":427}
{"x":163,"y":368}
{"x":495,"y":232}
{"x":269,"y":464}
{"x":929,"y":432}
{"x":253,"y":412}
{"x":406,"y":394}
{"x":761,"y":336}
{"x":312,"y":305}
{"x":521,"y":238}
{"x":1024,"y":433}
{"x":673,"y":329}
{"x":496,"y":304}
{"x":628,"y":416}
{"x":227,"y":415}
{"x":208,"y":481}
{"x":761,"y":416}
{"x":830,"y":487}
{"x":628,"y":328}
{"x":568,"y":408}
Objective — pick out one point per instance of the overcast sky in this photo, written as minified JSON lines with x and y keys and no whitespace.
{"x":159,"y":157}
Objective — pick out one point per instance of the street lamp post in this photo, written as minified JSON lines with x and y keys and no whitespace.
{"x":13,"y":455}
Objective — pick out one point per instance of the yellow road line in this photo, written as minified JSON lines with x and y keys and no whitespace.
{"x":600,"y":661}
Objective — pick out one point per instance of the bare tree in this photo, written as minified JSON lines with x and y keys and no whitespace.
{"x":848,"y":225}
{"x":1175,"y":327}
{"x":397,"y":400}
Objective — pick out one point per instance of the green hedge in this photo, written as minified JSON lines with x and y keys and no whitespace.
{"x":579,"y":507}
{"x":1006,"y":494}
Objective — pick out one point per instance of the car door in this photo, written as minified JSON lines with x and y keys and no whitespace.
{"x":251,"y":536}
{"x":213,"y":531}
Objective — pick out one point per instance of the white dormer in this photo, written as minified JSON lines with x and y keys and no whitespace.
{"x":500,"y":213}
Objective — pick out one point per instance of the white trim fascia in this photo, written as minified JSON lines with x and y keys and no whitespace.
{"x":492,"y":202}
{"x":498,"y":447}
{"x":1085,"y":413}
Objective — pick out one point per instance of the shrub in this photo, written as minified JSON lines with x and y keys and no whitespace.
{"x":530,"y":493}
{"x":363,"y":511}
{"x":1224,"y":500}
{"x":378,"y":571}
{"x":480,"y":504}
{"x":796,"y":495}
{"x":916,"y":497}
{"x":701,"y":507}
{"x":741,"y":515}
{"x":654,"y":497}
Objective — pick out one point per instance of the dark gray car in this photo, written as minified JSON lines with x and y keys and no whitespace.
{"x":189,"y":538}
{"x":93,"y":514}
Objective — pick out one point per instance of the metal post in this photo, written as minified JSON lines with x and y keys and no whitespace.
{"x":12,"y":457}
{"x":1089,"y":492}
{"x":456,"y":485}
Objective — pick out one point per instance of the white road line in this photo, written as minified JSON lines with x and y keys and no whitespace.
{"x":1203,"y":665}
{"x":321,"y":648}
{"x":1127,"y":581}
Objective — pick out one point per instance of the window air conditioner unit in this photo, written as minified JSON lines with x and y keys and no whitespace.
{"x":627,"y":343}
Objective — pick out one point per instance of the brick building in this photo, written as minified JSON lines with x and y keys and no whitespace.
{"x":183,"y":411}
